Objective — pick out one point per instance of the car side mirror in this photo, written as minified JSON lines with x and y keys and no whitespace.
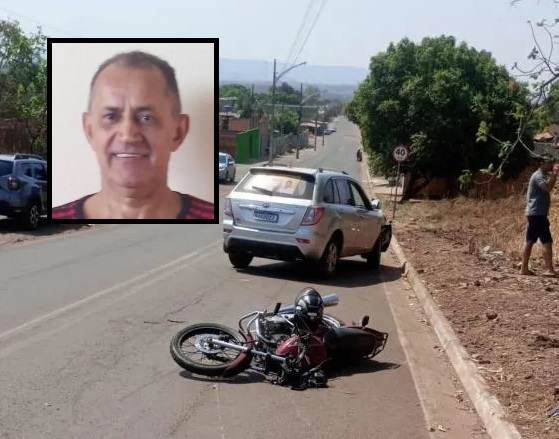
{"x":375,"y":204}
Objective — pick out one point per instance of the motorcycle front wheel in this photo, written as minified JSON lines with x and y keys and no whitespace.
{"x":193,"y":350}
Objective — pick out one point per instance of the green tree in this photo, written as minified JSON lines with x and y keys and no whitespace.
{"x":286,"y":121}
{"x":548,"y":111}
{"x":245,"y":98}
{"x":435,"y":96}
{"x":33,"y":107}
{"x":285,"y":94}
{"x":23,"y":81}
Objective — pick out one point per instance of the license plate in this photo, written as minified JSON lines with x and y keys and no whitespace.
{"x":267,"y":217}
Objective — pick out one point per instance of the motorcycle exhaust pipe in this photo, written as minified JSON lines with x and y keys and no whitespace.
{"x":244,"y":349}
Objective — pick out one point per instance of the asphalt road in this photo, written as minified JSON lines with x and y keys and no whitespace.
{"x":86,"y":320}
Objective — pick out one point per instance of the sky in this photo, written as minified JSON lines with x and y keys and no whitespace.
{"x":346,"y":32}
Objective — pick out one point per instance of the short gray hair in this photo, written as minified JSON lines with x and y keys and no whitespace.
{"x":141,"y":60}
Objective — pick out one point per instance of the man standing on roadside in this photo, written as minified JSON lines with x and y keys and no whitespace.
{"x":538,"y":200}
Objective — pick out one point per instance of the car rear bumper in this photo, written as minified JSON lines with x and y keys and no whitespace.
{"x":304,"y":244}
{"x":13,"y":205}
{"x":269,"y":250}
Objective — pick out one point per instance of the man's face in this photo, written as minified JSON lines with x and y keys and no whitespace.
{"x":548,"y":166}
{"x":132,"y":126}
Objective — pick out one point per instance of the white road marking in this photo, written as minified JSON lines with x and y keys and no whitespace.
{"x":144,"y":280}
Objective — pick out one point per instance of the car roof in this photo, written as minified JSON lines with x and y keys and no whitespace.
{"x":12,"y":157}
{"x":301,"y":170}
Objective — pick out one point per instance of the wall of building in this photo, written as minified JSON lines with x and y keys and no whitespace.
{"x":228,"y":142}
{"x":239,"y":124}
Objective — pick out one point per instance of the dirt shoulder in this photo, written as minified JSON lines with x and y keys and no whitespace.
{"x":467,"y":253}
{"x":12,"y":233}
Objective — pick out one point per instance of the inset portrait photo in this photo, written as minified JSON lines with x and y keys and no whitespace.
{"x":132,"y":126}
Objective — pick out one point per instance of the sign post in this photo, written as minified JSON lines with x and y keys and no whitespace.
{"x":400,"y":154}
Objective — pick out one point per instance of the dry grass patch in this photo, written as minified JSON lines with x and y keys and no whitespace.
{"x":468,"y":252}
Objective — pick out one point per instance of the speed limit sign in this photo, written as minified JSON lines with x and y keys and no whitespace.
{"x":400,"y":153}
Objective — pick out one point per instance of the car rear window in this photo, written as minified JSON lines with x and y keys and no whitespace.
{"x":6,"y":167}
{"x":280,"y":184}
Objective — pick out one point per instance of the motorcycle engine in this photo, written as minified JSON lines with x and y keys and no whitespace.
{"x":275,"y":328}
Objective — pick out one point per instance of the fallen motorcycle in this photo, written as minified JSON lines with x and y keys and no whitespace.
{"x":285,"y":344}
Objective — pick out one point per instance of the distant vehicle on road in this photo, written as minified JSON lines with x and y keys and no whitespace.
{"x":23,"y":188}
{"x":227,"y":167}
{"x":303,"y":214}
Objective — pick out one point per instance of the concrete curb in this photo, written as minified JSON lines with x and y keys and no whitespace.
{"x":486,"y":404}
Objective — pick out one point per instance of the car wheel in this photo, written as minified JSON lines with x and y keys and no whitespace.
{"x":30,"y":217}
{"x":328,"y":263}
{"x":240,"y":259}
{"x":373,"y":257}
{"x":386,"y":234}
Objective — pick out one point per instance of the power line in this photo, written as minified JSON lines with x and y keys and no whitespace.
{"x":310,"y":30}
{"x":299,"y":31}
{"x":41,"y":24}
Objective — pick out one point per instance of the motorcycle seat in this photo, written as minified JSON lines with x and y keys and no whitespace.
{"x":349,"y":342}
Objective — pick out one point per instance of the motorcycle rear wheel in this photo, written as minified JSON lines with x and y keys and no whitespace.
{"x":200,"y":350}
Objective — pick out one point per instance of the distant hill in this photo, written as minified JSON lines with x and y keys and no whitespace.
{"x":237,"y":70}
{"x":343,"y":93}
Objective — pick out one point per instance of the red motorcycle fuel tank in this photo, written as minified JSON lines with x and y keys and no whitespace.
{"x":316,"y":351}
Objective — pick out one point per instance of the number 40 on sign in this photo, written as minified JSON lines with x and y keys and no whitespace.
{"x":400,"y":153}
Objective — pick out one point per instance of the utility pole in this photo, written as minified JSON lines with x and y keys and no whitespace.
{"x":271,"y":133}
{"x":253,"y":119}
{"x":300,"y":117}
{"x":323,"y":130}
{"x":271,"y":130}
{"x":315,"y":128}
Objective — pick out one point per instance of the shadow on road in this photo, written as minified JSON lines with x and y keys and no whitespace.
{"x":8,"y":225}
{"x":246,"y":377}
{"x":341,"y":369}
{"x":351,"y":273}
{"x":332,"y":370}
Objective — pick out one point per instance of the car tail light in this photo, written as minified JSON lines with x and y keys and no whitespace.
{"x":228,"y":210}
{"x":312,"y":216}
{"x":14,"y":183}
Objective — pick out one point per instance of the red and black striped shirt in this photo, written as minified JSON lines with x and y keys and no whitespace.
{"x":192,"y":208}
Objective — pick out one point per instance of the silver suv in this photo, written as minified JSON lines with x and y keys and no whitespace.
{"x":291,"y":214}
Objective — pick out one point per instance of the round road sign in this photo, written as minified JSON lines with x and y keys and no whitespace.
{"x":400,"y":153}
